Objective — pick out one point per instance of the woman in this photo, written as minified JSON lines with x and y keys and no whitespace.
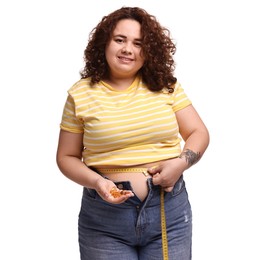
{"x":120,"y":138}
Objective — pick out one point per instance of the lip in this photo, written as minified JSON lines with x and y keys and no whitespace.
{"x":125,"y":59}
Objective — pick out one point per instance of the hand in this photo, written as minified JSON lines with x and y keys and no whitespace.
{"x":108,"y":191}
{"x":167,"y":173}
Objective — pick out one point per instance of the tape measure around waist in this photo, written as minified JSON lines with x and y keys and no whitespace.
{"x":163,"y":226}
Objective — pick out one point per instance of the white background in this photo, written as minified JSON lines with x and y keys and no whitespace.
{"x":226,"y":63}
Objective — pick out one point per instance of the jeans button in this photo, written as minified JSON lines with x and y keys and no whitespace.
{"x":120,"y":186}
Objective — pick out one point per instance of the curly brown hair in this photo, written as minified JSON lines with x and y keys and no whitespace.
{"x":157,"y":48}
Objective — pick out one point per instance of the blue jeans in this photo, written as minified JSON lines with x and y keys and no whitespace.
{"x":132,"y":230}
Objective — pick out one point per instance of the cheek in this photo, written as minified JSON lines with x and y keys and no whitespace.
{"x":139,"y":55}
{"x":110,"y":50}
{"x":141,"y":61}
{"x":110,"y":55}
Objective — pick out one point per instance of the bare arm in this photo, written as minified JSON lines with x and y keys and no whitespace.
{"x":69,"y":161}
{"x":196,"y":138}
{"x":194,"y":133}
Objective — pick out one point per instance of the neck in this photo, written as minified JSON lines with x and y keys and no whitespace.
{"x":119,"y":83}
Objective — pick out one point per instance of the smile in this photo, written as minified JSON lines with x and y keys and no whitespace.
{"x":124,"y":58}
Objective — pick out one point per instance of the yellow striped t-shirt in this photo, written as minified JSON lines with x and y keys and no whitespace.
{"x":124,"y":128}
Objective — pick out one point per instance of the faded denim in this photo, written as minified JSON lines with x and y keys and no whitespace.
{"x":132,"y":230}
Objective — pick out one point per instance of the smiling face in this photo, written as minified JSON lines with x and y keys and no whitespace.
{"x":123,"y":52}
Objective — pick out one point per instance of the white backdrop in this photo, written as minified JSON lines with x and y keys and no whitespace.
{"x":226,"y":63}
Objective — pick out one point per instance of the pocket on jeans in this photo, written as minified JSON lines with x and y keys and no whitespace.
{"x":91,"y":193}
{"x":178,"y":187}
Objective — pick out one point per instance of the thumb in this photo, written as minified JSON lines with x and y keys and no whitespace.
{"x":156,"y":179}
{"x":153,"y":170}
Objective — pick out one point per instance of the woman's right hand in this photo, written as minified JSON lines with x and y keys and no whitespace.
{"x":106,"y":190}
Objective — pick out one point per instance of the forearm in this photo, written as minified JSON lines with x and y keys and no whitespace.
{"x":194,"y":147}
{"x":74,"y":169}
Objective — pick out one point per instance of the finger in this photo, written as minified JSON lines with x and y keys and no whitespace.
{"x":156,"y":179}
{"x":123,"y":194}
{"x":121,"y":199}
{"x":153,"y":170}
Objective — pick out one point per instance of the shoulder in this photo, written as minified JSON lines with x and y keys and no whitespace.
{"x":173,"y":90}
{"x":81,"y":85}
{"x":177,"y":86}
{"x":178,"y":89}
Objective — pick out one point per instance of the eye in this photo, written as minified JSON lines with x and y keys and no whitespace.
{"x":138,"y":44}
{"x":119,"y":40}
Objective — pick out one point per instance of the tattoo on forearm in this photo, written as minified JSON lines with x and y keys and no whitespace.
{"x":190,"y":156}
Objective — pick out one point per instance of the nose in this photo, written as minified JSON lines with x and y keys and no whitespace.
{"x":127,"y":49}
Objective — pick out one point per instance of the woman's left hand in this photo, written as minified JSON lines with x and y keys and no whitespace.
{"x":167,"y":173}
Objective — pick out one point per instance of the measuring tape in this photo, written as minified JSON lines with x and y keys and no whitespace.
{"x":163,"y":227}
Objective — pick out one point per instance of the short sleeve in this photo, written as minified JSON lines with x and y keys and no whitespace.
{"x":70,"y":122}
{"x":180,"y":99}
